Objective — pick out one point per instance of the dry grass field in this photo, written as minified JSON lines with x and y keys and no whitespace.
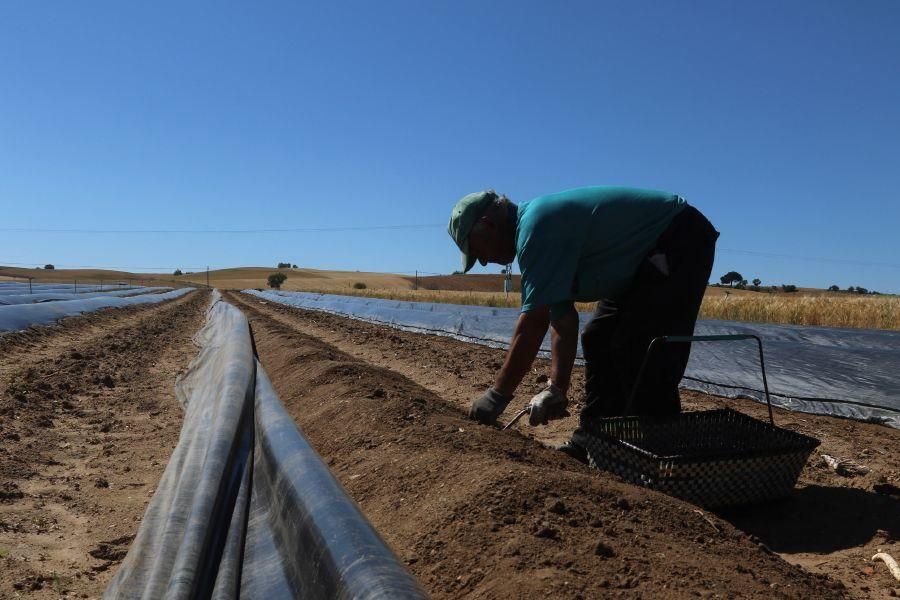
{"x":68,"y":275}
{"x":805,"y":307}
{"x":242,"y":278}
{"x":232,"y":279}
{"x":865,"y":312}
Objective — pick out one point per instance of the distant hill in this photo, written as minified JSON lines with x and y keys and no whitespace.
{"x":238,"y":278}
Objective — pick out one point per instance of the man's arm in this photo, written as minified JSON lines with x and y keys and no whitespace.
{"x":564,"y":346}
{"x":526,"y":341}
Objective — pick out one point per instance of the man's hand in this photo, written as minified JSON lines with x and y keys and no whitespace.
{"x":486,"y":409}
{"x":547,"y":406}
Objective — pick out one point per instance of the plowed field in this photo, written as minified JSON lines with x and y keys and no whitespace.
{"x":88,"y":419}
{"x":479,"y":513}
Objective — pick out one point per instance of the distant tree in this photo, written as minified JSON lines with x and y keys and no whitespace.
{"x":774,"y":288}
{"x":861,"y":290}
{"x":294,"y":266}
{"x":177,"y":272}
{"x":457,"y":273}
{"x":834,"y":288}
{"x":731,"y":278}
{"x":284,"y":265}
{"x":851,"y":289}
{"x":788,"y":288}
{"x":49,"y":267}
{"x":276,"y":279}
{"x":757,"y":281}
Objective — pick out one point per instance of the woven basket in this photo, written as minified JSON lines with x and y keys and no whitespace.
{"x":711,"y":458}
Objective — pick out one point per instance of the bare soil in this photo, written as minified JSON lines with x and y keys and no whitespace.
{"x":475,"y":512}
{"x":88,"y":419}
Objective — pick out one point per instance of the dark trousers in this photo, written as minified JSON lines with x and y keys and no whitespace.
{"x":616,"y":339}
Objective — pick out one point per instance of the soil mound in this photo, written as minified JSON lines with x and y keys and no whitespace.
{"x":480,"y":513}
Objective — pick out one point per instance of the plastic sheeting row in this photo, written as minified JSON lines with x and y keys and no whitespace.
{"x":245,"y":507}
{"x":37,"y":297}
{"x":24,"y":288}
{"x":16,"y":317}
{"x":842,"y":372}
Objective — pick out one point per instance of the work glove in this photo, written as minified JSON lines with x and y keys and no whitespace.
{"x":486,"y":409}
{"x":547,"y":406}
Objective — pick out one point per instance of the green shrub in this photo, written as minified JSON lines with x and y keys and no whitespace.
{"x":359,"y":285}
{"x":276,"y":279}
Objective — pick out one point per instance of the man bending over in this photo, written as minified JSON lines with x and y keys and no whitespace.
{"x":644,"y":256}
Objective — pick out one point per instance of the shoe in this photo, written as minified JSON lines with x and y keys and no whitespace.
{"x":575,"y":451}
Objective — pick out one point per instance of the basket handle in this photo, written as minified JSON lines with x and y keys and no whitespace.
{"x":701,"y":338}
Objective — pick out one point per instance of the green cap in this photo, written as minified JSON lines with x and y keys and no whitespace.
{"x":463,"y":217}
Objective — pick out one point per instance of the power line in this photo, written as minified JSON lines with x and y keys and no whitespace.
{"x":351,"y":228}
{"x":107,"y":267}
{"x":35,"y":264}
{"x":821,"y":259}
{"x":227,"y":231}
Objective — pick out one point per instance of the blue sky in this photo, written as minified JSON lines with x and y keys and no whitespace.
{"x":779,"y":120}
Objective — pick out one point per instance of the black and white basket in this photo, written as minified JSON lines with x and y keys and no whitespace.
{"x":711,"y":458}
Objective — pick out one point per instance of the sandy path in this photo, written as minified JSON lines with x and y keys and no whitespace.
{"x":483,"y":514}
{"x":88,"y":418}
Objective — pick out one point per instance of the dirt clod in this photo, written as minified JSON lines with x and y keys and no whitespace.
{"x":113,"y":550}
{"x":555,"y":506}
{"x":9,"y":492}
{"x":547,"y":532}
{"x":603,"y":549}
{"x":623,"y":504}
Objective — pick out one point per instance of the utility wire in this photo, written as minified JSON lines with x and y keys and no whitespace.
{"x":820,"y":259}
{"x":236,"y":231}
{"x":197,"y":269}
{"x":108,"y":267}
{"x":350,"y":228}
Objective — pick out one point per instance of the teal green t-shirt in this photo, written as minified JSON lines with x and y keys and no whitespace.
{"x":586,"y":244}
